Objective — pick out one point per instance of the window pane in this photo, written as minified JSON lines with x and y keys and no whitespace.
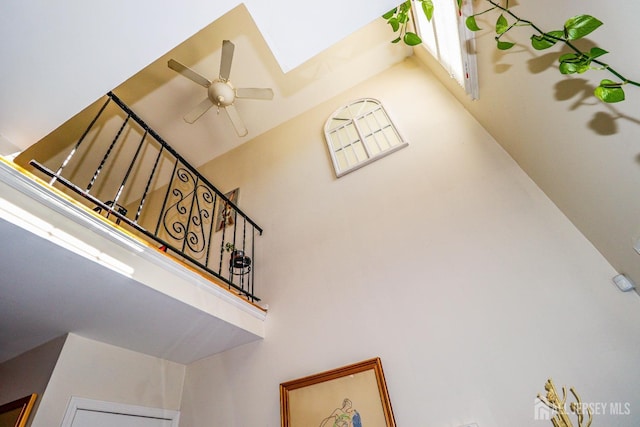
{"x":391,"y":136}
{"x":355,"y":141}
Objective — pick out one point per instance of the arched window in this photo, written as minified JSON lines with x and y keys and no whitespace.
{"x":360,"y":133}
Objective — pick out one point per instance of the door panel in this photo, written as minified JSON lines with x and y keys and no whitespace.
{"x":87,"y":418}
{"x":83,"y":412}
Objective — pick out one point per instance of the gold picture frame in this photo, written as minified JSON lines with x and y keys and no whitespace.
{"x":16,"y":413}
{"x":350,"y":396}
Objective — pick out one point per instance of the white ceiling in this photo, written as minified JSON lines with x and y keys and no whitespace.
{"x":62,"y":57}
{"x":97,"y":303}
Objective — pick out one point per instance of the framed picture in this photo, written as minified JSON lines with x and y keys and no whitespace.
{"x":16,"y":413}
{"x":226,"y":215}
{"x":351,"y":396}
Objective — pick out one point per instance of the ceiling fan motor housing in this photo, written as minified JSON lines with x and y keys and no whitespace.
{"x":221,"y":93}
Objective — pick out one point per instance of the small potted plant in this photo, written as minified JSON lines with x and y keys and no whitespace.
{"x":238,"y":259}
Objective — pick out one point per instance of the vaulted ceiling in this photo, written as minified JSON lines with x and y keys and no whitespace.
{"x":161,"y":96}
{"x":64,"y":58}
{"x":61,"y":59}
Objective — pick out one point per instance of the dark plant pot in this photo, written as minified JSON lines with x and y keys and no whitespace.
{"x":239,"y":260}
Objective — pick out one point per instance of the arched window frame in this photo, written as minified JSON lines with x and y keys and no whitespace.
{"x":359,"y":133}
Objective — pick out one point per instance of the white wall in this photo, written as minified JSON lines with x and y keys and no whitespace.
{"x":94,"y":370}
{"x":444,"y":259}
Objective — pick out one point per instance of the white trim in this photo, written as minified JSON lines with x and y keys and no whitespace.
{"x":468,"y":41}
{"x":80,"y":403}
{"x":453,"y":43}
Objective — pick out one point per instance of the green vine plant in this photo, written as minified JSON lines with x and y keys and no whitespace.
{"x":577,"y":61}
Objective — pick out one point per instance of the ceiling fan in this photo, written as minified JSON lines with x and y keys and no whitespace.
{"x":221,"y":92}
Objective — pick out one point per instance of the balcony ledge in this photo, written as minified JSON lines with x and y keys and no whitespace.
{"x":67,"y":269}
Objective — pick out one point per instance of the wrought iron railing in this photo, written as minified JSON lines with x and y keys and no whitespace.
{"x":142,"y":182}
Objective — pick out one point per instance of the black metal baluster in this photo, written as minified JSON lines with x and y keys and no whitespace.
{"x":232,"y":269}
{"x":211,"y":229}
{"x":244,"y":248}
{"x":253,"y":268}
{"x":116,"y":198}
{"x":146,"y":188}
{"x":75,"y":148}
{"x":107,"y":154}
{"x":224,"y":230}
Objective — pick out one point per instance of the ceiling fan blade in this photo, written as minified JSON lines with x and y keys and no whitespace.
{"x":189,"y":73}
{"x":226,"y":59}
{"x":254,"y":93}
{"x":238,"y":124}
{"x":198,"y":111}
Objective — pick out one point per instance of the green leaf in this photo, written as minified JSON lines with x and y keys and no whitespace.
{"x":394,"y":24}
{"x":403,"y":17}
{"x":541,"y":42}
{"x":504,"y":45}
{"x":556,"y":33}
{"x":501,"y":25}
{"x":583,"y":67}
{"x":427,"y":8}
{"x":396,"y":40}
{"x":568,"y":68}
{"x":471,"y":23}
{"x":390,"y":13}
{"x":609,"y":91}
{"x":459,"y":4}
{"x":412,"y":39}
{"x":579,"y":26}
{"x":545,"y":41}
{"x":571,"y":63}
{"x":596,"y":52}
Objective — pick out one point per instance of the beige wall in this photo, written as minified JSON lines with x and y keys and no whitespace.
{"x":94,"y":370}
{"x":582,"y":153}
{"x":29,"y":372}
{"x":444,"y":259}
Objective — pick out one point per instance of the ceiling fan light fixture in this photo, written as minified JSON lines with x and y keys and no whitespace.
{"x":221,"y":92}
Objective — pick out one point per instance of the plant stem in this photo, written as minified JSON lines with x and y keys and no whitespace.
{"x":564,"y":40}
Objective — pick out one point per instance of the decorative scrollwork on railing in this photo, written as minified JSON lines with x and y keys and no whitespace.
{"x":187,"y":217}
{"x":201,"y":220}
{"x":175,"y":212}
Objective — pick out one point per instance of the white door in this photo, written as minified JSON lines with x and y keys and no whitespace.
{"x":95,"y":413}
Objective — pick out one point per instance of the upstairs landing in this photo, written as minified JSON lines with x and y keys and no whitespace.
{"x":67,"y":269}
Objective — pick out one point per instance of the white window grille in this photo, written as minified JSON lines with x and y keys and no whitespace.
{"x":360,"y":133}
{"x":448,"y":40}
